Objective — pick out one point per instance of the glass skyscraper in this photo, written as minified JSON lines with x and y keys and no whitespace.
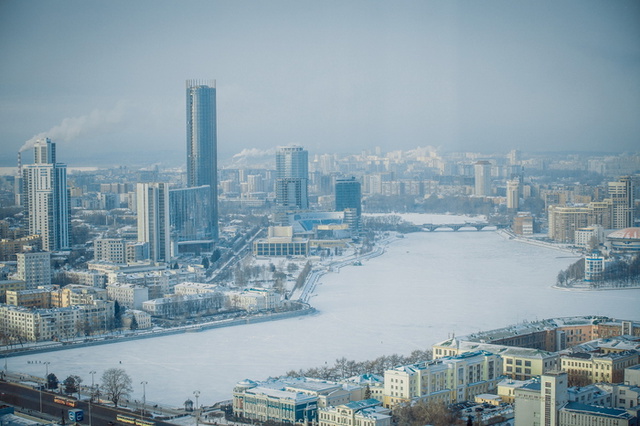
{"x":292,"y":178}
{"x":202,"y":146}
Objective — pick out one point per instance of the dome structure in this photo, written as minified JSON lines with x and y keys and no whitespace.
{"x":627,"y":240}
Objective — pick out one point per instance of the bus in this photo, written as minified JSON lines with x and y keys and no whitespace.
{"x":133,"y":421}
{"x":69,"y":402}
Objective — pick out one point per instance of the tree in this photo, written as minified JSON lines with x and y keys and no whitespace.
{"x":116,"y":384}
{"x":72,"y":384}
{"x":422,"y":413}
{"x":206,"y":263}
{"x":52,"y":381}
{"x":117,"y":315}
{"x":134,"y":323}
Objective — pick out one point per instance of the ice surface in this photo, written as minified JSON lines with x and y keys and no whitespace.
{"x":424,"y":287}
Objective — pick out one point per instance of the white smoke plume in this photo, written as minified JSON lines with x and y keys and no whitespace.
{"x":98,"y":121}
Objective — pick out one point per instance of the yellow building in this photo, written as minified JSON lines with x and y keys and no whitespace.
{"x":518,"y":363}
{"x":34,"y":298}
{"x":587,"y":368}
{"x":448,"y":379}
{"x":10,"y":285}
{"x":360,"y":413}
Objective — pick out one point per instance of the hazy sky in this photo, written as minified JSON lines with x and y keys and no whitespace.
{"x":109,"y":76}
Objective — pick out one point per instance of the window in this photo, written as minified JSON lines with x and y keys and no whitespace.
{"x":509,"y":361}
{"x":527,"y":363}
{"x":518,"y":362}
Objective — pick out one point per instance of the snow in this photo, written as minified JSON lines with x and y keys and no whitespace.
{"x":426,"y":286}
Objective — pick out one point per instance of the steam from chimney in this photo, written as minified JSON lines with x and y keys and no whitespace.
{"x":98,"y":121}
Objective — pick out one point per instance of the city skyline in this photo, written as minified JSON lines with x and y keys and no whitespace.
{"x":337,"y":77}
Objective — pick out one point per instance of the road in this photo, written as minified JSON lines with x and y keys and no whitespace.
{"x":40,"y":404}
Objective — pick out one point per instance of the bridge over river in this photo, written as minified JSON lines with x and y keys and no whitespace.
{"x":478,"y":226}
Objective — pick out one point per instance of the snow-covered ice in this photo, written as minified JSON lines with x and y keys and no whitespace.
{"x":426,"y":286}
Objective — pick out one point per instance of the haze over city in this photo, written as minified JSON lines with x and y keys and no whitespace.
{"x":108,"y":77}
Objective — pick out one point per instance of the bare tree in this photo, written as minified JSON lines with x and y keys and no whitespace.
{"x":116,"y":384}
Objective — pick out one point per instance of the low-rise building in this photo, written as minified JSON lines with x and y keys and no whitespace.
{"x":281,"y":242}
{"x":517,"y":363}
{"x":254,"y":299}
{"x":585,"y":368}
{"x":290,"y":400}
{"x":184,"y":305}
{"x":447,"y":379}
{"x":128,"y":295}
{"x":367,"y":412}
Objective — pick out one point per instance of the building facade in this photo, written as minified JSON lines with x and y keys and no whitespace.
{"x":202,"y":148}
{"x":34,"y":268}
{"x":45,"y":197}
{"x":153,"y":219}
{"x":447,"y":379}
{"x":292,"y":179}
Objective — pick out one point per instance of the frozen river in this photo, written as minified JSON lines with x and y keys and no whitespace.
{"x":426,"y":286}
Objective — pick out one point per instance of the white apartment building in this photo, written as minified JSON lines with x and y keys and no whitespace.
{"x":34,"y":268}
{"x":55,"y":324}
{"x":254,"y":299}
{"x":130,"y":296}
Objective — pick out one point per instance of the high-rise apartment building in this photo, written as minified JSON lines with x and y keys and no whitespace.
{"x":34,"y":268}
{"x":622,"y":195}
{"x":292,"y":178}
{"x":46,"y":198}
{"x":513,"y":194}
{"x":202,"y":146}
{"x":482,"y":173}
{"x":153,"y":219}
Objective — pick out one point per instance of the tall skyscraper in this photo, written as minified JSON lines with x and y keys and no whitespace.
{"x":153,"y":219}
{"x":513,"y":194}
{"x":202,"y":145}
{"x":482,"y":172}
{"x":349,"y":201}
{"x":622,"y":195}
{"x":292,"y":178}
{"x":348,"y":194}
{"x":46,"y":197}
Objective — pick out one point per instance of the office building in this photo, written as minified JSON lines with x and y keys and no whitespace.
{"x":45,"y":196}
{"x":348,"y":199}
{"x":190,"y":212}
{"x":482,"y":173}
{"x":202,"y":147}
{"x":292,"y":179}
{"x":153,"y":219}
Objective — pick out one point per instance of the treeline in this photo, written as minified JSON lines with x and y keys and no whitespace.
{"x":431,"y":204}
{"x":575,"y":272}
{"x":618,"y":270}
{"x":344,"y":368}
{"x":388,"y":223}
{"x":624,"y":269}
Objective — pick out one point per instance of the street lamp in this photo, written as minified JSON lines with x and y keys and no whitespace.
{"x":92,"y":372}
{"x":197,"y":394}
{"x":144,"y":397}
{"x":46,"y":376}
